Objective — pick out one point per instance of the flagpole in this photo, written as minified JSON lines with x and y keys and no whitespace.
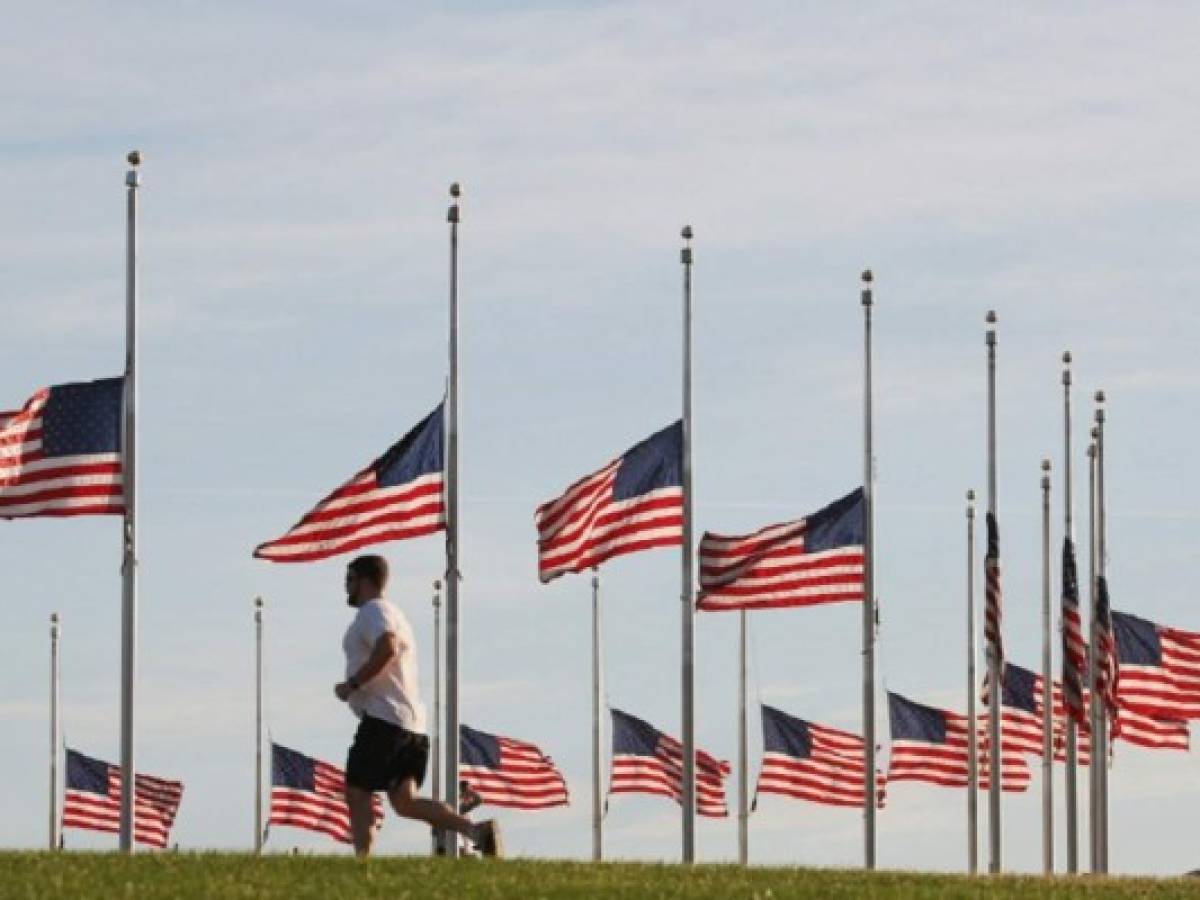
{"x":1047,"y":687}
{"x":743,"y":749}
{"x":972,"y":722}
{"x":688,"y":590}
{"x":55,"y":730}
{"x":1072,"y":767}
{"x":452,"y":571}
{"x":1100,"y":753}
{"x":1094,"y":707}
{"x":129,"y":481}
{"x":597,"y":746}
{"x":436,"y":737}
{"x":868,"y":611}
{"x":258,"y":723}
{"x":995,"y":754}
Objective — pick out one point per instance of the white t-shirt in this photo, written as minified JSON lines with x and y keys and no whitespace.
{"x":393,"y":694}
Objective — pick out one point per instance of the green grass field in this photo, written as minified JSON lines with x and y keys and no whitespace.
{"x":74,"y":875}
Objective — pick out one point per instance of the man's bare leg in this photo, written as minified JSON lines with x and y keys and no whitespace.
{"x":362,"y":819}
{"x":433,"y":812}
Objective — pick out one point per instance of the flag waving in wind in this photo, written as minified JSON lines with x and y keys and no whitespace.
{"x":1074,"y":648}
{"x":397,"y":496}
{"x":646,"y":761}
{"x":508,"y":772}
{"x":994,"y":602}
{"x":60,"y":454}
{"x":1160,"y":668}
{"x":93,"y":800}
{"x":634,"y":503}
{"x":818,"y":559}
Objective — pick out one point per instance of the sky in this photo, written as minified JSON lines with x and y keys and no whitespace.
{"x":1033,"y":160}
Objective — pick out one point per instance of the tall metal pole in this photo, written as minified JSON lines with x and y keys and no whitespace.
{"x":868,"y":610}
{"x":436,"y":749}
{"x":1093,"y":659}
{"x":1100,"y":751}
{"x":1047,"y":687}
{"x":1072,"y":767}
{"x":258,"y":724}
{"x":597,"y":742}
{"x":452,"y":571}
{"x":128,"y":479}
{"x":743,"y":749}
{"x":972,"y":721}
{"x":55,"y":731}
{"x":995,"y":754}
{"x":688,"y":589}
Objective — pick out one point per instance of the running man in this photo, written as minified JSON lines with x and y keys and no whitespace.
{"x":391,"y":749}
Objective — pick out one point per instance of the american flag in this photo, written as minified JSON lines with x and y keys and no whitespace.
{"x":1105,"y":650}
{"x":507,"y":772}
{"x":1159,"y":667}
{"x":813,"y":762}
{"x":311,"y":794}
{"x":1149,"y":732}
{"x":646,"y":761}
{"x":634,"y":503}
{"x":818,"y":559}
{"x":60,"y":454}
{"x":1083,"y":734}
{"x":396,"y":497}
{"x":930,"y":745}
{"x":93,"y":800}
{"x":1073,"y":645}
{"x":994,"y":607}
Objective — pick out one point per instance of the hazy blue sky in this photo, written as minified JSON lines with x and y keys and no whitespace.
{"x":1037,"y":161}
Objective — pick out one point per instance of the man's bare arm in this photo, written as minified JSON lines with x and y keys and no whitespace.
{"x":385,"y":649}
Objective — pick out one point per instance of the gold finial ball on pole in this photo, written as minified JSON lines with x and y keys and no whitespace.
{"x":258,"y":603}
{"x":53,"y":618}
{"x":437,"y":585}
{"x":686,"y":233}
{"x":134,"y":157}
{"x":971,"y":496}
{"x":991,"y":317}
{"x":1045,"y":465}
{"x":1099,"y":396}
{"x":1066,"y":357}
{"x":867,"y":276}
{"x":455,"y":190}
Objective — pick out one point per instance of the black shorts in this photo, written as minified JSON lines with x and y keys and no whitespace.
{"x":384,"y":754}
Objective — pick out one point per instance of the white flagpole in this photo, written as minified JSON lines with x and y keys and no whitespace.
{"x":972,"y":720}
{"x":452,"y":570}
{"x":995,"y":751}
{"x":868,"y":610}
{"x":129,"y":481}
{"x":55,"y":731}
{"x":1072,"y":767}
{"x":1047,"y":687}
{"x":1100,"y":751}
{"x":597,"y":728}
{"x":436,"y":748}
{"x":258,"y":724}
{"x":1093,"y":658}
{"x":688,"y":589}
{"x":743,"y":749}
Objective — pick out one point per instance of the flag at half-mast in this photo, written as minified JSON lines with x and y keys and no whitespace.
{"x":507,"y":772}
{"x":646,"y":761}
{"x":633,"y":503}
{"x":60,"y":454}
{"x":1074,"y":647}
{"x":818,"y":559}
{"x":92,"y":800}
{"x":1159,"y":668}
{"x":807,"y":761}
{"x":930,"y":745}
{"x":1105,"y":651}
{"x":994,"y":606}
{"x":311,"y":794}
{"x":398,"y":496}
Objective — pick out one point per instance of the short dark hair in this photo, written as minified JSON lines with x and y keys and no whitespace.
{"x":373,"y":568}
